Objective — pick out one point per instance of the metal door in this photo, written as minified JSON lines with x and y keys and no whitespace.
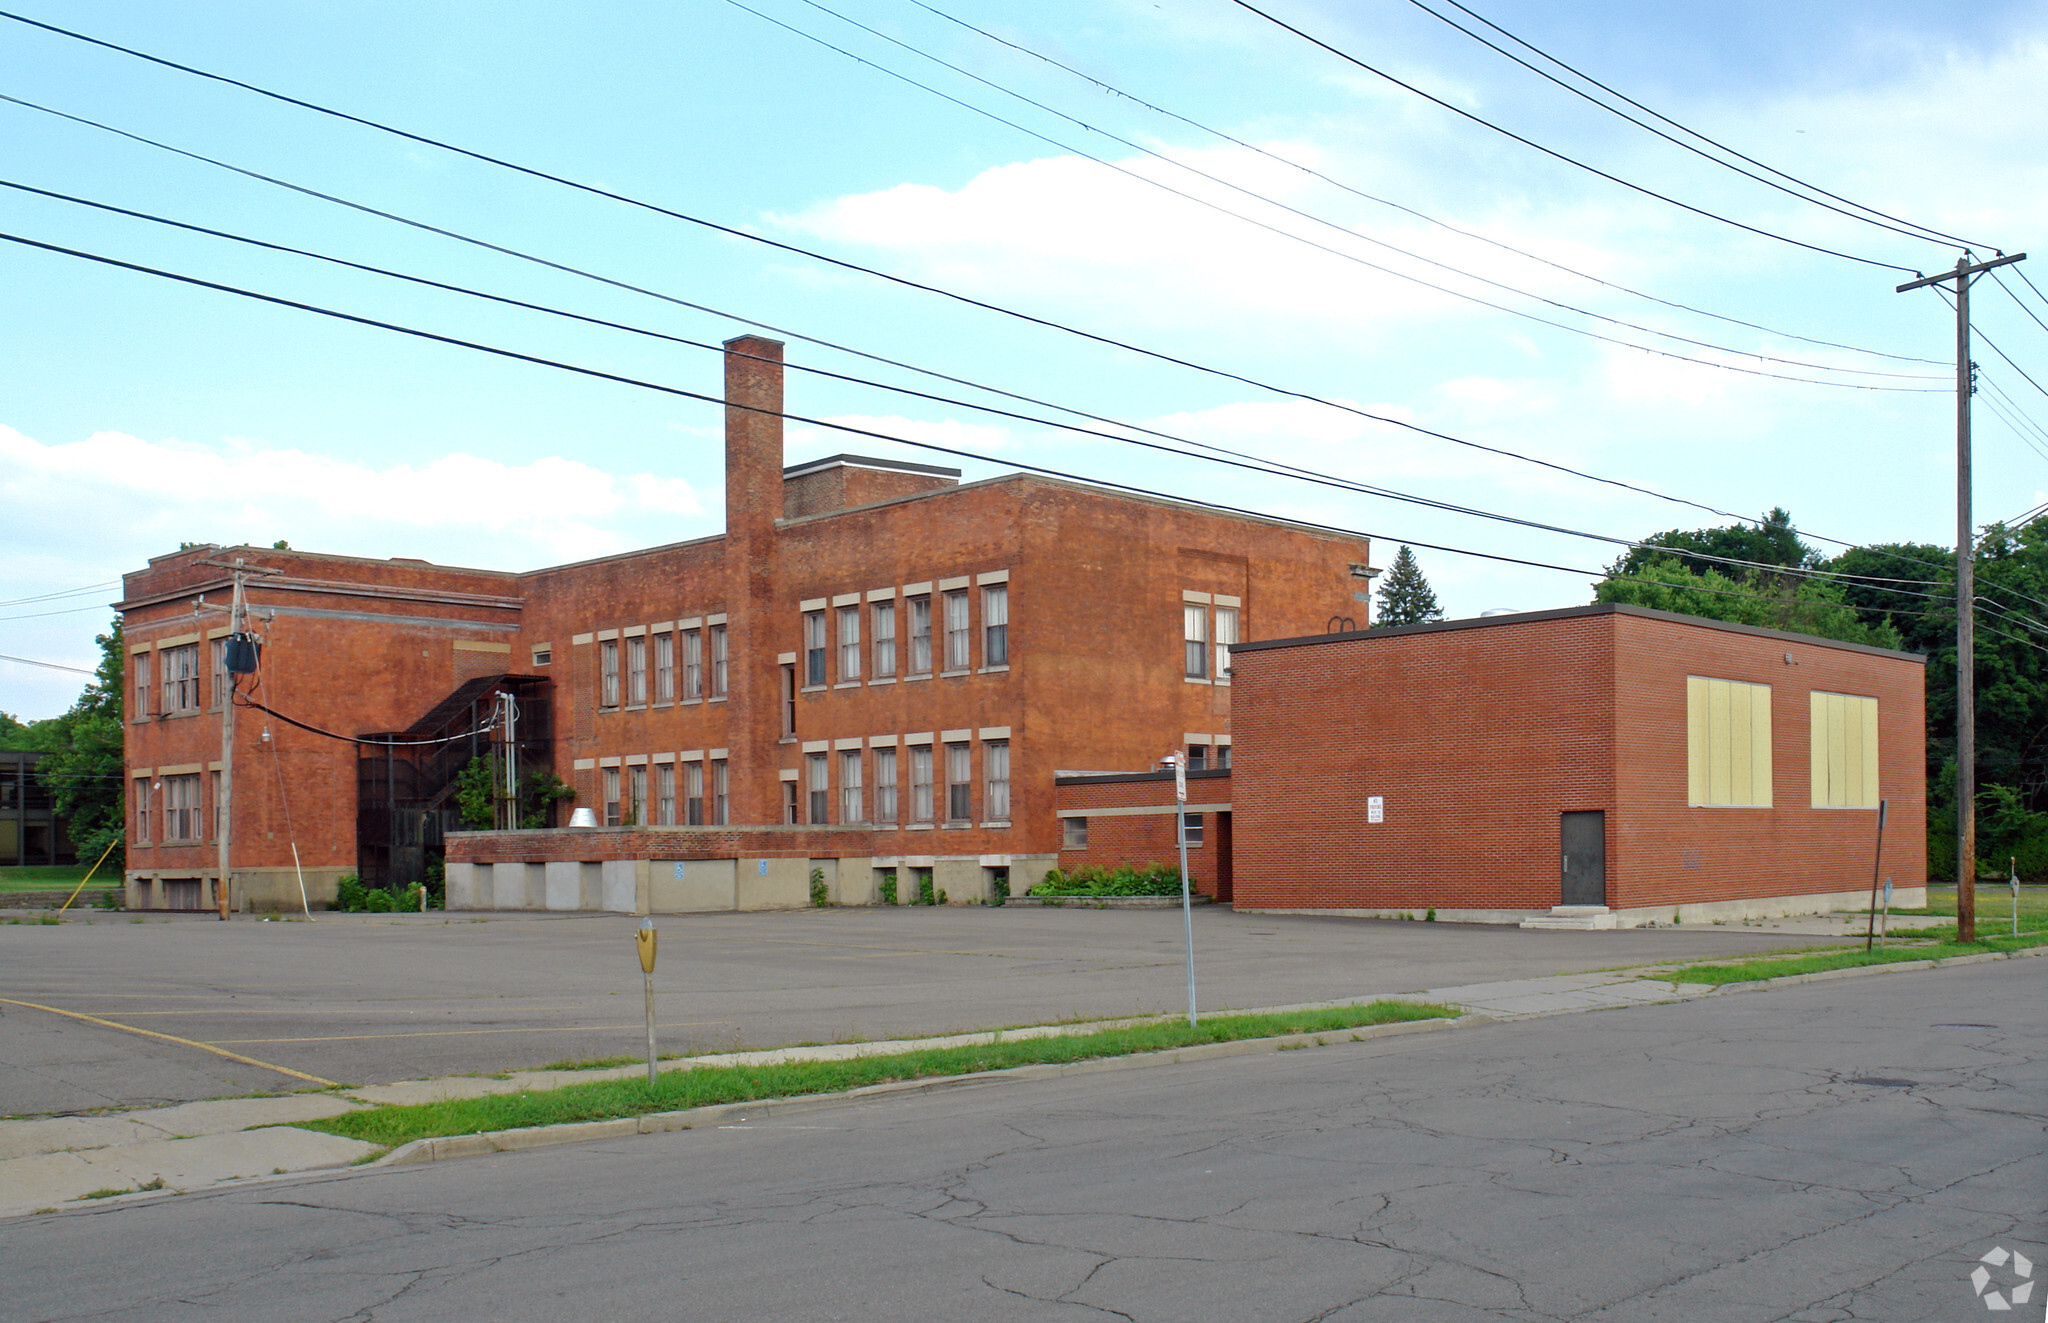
{"x":1583,"y":847}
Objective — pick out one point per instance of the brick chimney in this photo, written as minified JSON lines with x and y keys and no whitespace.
{"x":753,"y":502}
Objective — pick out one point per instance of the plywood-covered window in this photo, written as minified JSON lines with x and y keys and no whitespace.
{"x":1728,"y":743}
{"x":1844,"y":751}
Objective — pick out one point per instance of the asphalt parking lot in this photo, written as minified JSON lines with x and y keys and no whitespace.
{"x":361,"y":999}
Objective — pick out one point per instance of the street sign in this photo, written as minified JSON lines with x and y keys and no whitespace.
{"x":1375,"y":809}
{"x":1180,"y":780}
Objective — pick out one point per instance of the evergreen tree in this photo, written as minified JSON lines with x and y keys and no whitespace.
{"x":1405,"y":596}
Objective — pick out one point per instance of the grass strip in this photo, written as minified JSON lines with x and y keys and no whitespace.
{"x":708,"y":1085}
{"x":1746,"y":971}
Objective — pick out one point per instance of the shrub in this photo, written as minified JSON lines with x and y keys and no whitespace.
{"x":821,"y":896}
{"x":348,"y":893}
{"x":924,"y":887}
{"x":889,"y":886}
{"x":1123,"y":880}
{"x":377,"y":900}
{"x":1000,"y":885}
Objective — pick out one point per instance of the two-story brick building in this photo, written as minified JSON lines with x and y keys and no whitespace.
{"x":875,"y":666}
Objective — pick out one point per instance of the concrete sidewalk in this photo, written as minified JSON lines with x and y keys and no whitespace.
{"x":48,"y":1162}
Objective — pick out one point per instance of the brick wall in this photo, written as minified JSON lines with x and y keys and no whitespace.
{"x":1138,"y":839}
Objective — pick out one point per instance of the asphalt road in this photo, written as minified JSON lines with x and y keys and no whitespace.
{"x":1827,"y":1152}
{"x":371,"y":999}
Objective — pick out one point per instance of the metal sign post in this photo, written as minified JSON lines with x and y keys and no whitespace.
{"x":2015,"y":863}
{"x":645,"y":939}
{"x":1876,"y":863}
{"x":1885,"y":927}
{"x":1187,"y":908}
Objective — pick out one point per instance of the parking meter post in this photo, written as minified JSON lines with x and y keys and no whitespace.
{"x":645,"y":939}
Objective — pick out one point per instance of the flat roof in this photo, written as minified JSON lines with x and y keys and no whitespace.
{"x":866,"y":462}
{"x":1571,"y":613}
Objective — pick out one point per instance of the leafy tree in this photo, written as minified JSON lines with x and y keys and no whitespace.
{"x":1800,"y":606}
{"x":18,"y":734}
{"x":1405,"y":596}
{"x":1703,"y":550}
{"x":83,"y":762}
{"x":476,"y":795}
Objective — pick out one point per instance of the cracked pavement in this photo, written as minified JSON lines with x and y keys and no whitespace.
{"x":1813,"y":1154}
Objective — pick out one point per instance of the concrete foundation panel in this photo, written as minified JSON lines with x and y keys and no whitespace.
{"x":706,"y":884}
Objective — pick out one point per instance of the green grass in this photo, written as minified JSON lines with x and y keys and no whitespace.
{"x":586,"y":1063}
{"x":53,"y":877}
{"x":1750,"y":970}
{"x":105,"y":1192}
{"x":708,"y":1085}
{"x":1994,"y":905}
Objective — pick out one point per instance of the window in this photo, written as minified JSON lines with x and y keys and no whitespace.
{"x":181,"y":678}
{"x":141,"y":785}
{"x":920,"y":783}
{"x":608,"y":673}
{"x":885,"y":638}
{"x":788,"y":702}
{"x":849,"y":643}
{"x":721,"y":793}
{"x":995,"y":625}
{"x":959,"y":787}
{"x":1728,"y":743}
{"x":664,"y":668}
{"x":693,"y":664}
{"x":885,"y":785}
{"x":957,"y":633}
{"x":1223,"y":755}
{"x":1195,"y":632}
{"x":220,"y":818}
{"x":920,"y":636}
{"x":1073,"y":833}
{"x":138,"y":663}
{"x":820,"y":786}
{"x":637,"y":777}
{"x":693,"y":794}
{"x":611,"y":797}
{"x":665,"y":781}
{"x":789,"y":794}
{"x":814,"y":647}
{"x":1844,"y":751}
{"x":995,"y":778}
{"x":718,"y":661}
{"x":182,"y":815}
{"x":636,"y":671}
{"x":1226,"y":634}
{"x":850,"y":807}
{"x":543,"y":654}
{"x":220,"y":672}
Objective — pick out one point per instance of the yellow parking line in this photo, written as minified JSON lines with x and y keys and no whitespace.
{"x":453,"y":1033}
{"x":173,"y":1038}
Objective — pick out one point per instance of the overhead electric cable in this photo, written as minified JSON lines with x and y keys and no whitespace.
{"x":2000,"y":279}
{"x":1261,"y":466}
{"x":1346,"y":230}
{"x":1560,"y":156}
{"x":55,"y":666}
{"x":1474,"y":235}
{"x":62,"y":593}
{"x":829,"y":344}
{"x":1874,"y":217}
{"x":245,"y":701}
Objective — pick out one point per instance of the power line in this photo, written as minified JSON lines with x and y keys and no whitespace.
{"x":2000,"y":281}
{"x":1918,"y":231}
{"x":1560,"y":156}
{"x":1473,"y":235}
{"x":61,"y":593}
{"x":55,"y":666}
{"x":38,"y":615}
{"x":841,"y":348}
{"x":1346,"y":230}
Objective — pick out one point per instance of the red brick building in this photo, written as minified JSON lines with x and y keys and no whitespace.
{"x":1601,"y":756}
{"x":871,"y":647}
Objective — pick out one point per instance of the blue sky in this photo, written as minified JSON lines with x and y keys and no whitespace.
{"x":135,"y":413}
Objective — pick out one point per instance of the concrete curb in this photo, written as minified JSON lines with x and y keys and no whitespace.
{"x":442,"y":1148}
{"x":1894,"y":967}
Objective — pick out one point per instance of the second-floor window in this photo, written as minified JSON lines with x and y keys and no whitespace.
{"x":693,"y":664}
{"x":142,"y":793}
{"x":718,"y":661}
{"x":664,"y":668}
{"x":885,"y":785}
{"x":814,"y":648}
{"x":183,"y":820}
{"x":995,"y":625}
{"x":220,"y":672}
{"x":849,"y":643}
{"x":788,"y":702}
{"x":608,"y":675}
{"x":1226,"y":634}
{"x":920,"y":636}
{"x":181,"y":678}
{"x":636,"y":671}
{"x":958,"y":635}
{"x":920,"y":783}
{"x":885,"y":639}
{"x":1195,"y":635}
{"x":138,"y":665}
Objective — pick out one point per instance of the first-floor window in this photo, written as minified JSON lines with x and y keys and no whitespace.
{"x":182,"y":812}
{"x":220,"y":817}
{"x":636,"y":670}
{"x":718,"y":661}
{"x":693,"y":794}
{"x":1223,"y":755}
{"x":665,"y":781}
{"x":995,"y":625}
{"x":820,"y":786}
{"x":1844,"y":750}
{"x":181,"y":678}
{"x":1728,"y":742}
{"x":693,"y":664}
{"x":664,"y":668}
{"x":142,"y":806}
{"x":814,"y":647}
{"x":920,"y":783}
{"x":789,"y":801}
{"x":721,"y":793}
{"x":850,"y":808}
{"x":957,"y":632}
{"x":612,"y":814}
{"x":639,"y":778}
{"x":1074,"y":833}
{"x":849,"y":643}
{"x":995,"y":776}
{"x":959,"y":790}
{"x":788,"y":701}
{"x":885,"y":785}
{"x":885,"y":638}
{"x":608,"y":673}
{"x":1191,"y":830}
{"x":220,"y":672}
{"x":920,"y":636}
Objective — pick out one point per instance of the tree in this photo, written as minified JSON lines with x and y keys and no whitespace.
{"x":82,"y":763}
{"x":1406,"y":597}
{"x":1800,"y":606}
{"x":1775,"y":542}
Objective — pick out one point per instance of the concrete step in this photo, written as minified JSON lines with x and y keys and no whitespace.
{"x":1576,"y":918}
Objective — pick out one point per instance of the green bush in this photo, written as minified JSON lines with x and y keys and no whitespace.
{"x":1123,"y":880}
{"x":821,"y":896}
{"x":376,"y":900}
{"x":1000,"y":886}
{"x":348,"y":894}
{"x":889,"y":886}
{"x":924,"y":887}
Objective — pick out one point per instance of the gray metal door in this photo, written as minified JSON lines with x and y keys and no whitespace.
{"x":1583,"y":841}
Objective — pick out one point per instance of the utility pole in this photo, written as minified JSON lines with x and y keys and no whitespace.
{"x":238,"y":619}
{"x":1966,"y":588}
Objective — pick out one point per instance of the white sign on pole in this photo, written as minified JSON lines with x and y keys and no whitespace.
{"x":1375,"y":809}
{"x":1180,"y":780}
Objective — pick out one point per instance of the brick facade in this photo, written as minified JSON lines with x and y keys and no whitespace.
{"x":1479,"y":734}
{"x":1091,"y":673}
{"x":1129,"y":819}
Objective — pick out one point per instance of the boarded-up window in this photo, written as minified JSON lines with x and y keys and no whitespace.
{"x":1728,"y":742}
{"x":1844,"y":751}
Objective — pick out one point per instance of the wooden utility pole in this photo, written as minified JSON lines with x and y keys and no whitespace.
{"x":1966,"y":588}
{"x":238,"y":612}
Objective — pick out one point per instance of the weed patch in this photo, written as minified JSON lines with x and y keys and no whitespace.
{"x":1747,"y":971}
